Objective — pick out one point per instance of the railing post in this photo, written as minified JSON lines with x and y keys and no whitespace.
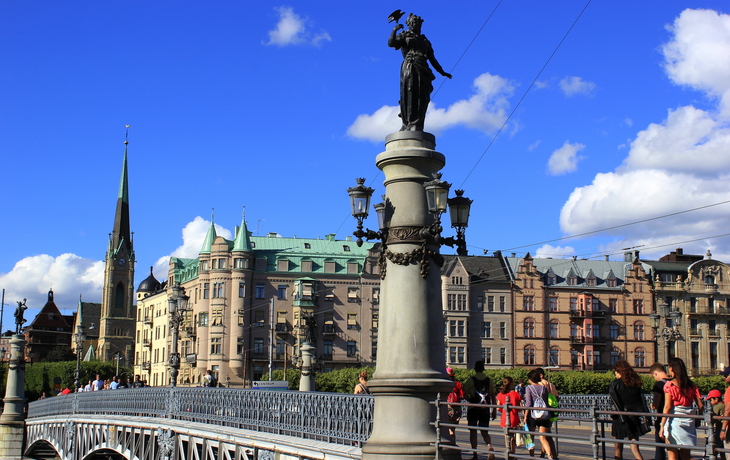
{"x":437,"y":425}
{"x":710,"y":446}
{"x":594,"y":429}
{"x":505,"y":429}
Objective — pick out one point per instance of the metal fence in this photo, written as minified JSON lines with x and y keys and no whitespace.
{"x":329,"y":417}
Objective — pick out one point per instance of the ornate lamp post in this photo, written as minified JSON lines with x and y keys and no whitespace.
{"x":668,"y":331}
{"x":177,"y":306}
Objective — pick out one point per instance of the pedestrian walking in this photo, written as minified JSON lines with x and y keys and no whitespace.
{"x":536,"y":395}
{"x":680,"y":394}
{"x":657,"y":403}
{"x":454,"y":411}
{"x":626,"y":394}
{"x":479,"y":389}
{"x":718,"y":409}
{"x":726,"y":400}
{"x":362,"y":385}
{"x":508,"y":395}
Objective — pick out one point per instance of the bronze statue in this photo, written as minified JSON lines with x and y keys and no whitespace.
{"x":309,"y":328}
{"x":415,"y":74}
{"x":19,"y":319}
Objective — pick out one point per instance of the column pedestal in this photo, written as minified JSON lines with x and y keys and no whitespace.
{"x":12,"y":420}
{"x":411,"y":361}
{"x":306,"y":381}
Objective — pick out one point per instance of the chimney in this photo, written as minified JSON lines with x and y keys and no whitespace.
{"x":605,"y":257}
{"x":680,"y":251}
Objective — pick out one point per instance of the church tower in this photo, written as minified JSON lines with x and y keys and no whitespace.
{"x":117,"y":321}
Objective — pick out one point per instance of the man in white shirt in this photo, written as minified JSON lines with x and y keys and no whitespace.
{"x":97,"y":384}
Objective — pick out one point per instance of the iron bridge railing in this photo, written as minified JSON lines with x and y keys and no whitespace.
{"x":329,"y":417}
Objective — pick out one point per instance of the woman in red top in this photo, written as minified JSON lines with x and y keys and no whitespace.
{"x":508,"y":395}
{"x":680,"y":394}
{"x":456,"y":395}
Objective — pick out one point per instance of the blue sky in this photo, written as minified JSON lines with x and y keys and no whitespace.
{"x":278,"y":107}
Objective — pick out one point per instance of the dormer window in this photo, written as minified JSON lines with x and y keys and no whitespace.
{"x":611,"y":283}
{"x":572,"y":281}
{"x":591,"y":282}
{"x":346,"y":248}
{"x":307,"y":246}
{"x":551,"y":280}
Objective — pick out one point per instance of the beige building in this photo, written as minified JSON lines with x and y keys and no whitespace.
{"x":247,"y":299}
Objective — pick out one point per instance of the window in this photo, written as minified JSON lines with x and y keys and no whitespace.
{"x":613,"y":305}
{"x":456,"y":328}
{"x":281,"y":292}
{"x":240,"y":263}
{"x":597,"y":331}
{"x":611,"y":282}
{"x":307,"y":246}
{"x":217,"y":317}
{"x":615,"y":355}
{"x":502,"y":356}
{"x":241,"y":290}
{"x":259,"y":317}
{"x":327,"y":350}
{"x":352,"y":294}
{"x":329,"y":323}
{"x":551,"y":280}
{"x":329,"y":267}
{"x":487,"y":355}
{"x":353,"y":268}
{"x":713,"y":355}
{"x":709,"y":279}
{"x":554,"y":329}
{"x":260,"y":291}
{"x":215,"y":345}
{"x":695,"y":354}
{"x":554,"y":354}
{"x":203,"y":264}
{"x":456,"y":280}
{"x":574,"y":331}
{"x":480,"y":303}
{"x":376,"y":296}
{"x":280,"y":349}
{"x":572,"y":281}
{"x":693,"y":323}
{"x":214,"y":264}
{"x":206,"y":290}
{"x":461,"y":302}
{"x":490,"y":303}
{"x":351,"y":349}
{"x":502,"y":330}
{"x":376,"y":317}
{"x":693,"y":304}
{"x":346,"y":248}
{"x":486,"y":329}
{"x":638,"y":330}
{"x":573,"y":304}
{"x":529,"y":328}
{"x":218,"y":290}
{"x":306,"y":265}
{"x":501,"y":303}
{"x":282,"y":265}
{"x":240,"y":345}
{"x":329,"y":293}
{"x":574,"y":357}
{"x":591,"y":282}
{"x":553,"y":303}
{"x":613,"y":331}
{"x":638,"y":307}
{"x":281,"y":321}
{"x":375,"y":349}
{"x":222,"y":263}
{"x":258,"y":346}
{"x":712,"y":329}
{"x":352,"y":321}
{"x":639,"y":357}
{"x":457,"y":355}
{"x":202,"y":319}
{"x":529,"y":355}
{"x":451,"y":301}
{"x":596,"y":304}
{"x":528,"y":303}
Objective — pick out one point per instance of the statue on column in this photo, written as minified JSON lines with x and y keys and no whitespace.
{"x":309,"y":328}
{"x":416,"y":76}
{"x":19,"y":318}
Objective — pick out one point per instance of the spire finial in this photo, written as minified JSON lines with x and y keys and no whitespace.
{"x":243,"y":213}
{"x":126,"y":137}
{"x":212,"y":215}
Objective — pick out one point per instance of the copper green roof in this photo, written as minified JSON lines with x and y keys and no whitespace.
{"x":242,"y":242}
{"x":209,"y":237}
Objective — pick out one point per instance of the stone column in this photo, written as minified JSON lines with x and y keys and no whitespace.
{"x":306,"y":381}
{"x":12,"y":420}
{"x":411,"y":361}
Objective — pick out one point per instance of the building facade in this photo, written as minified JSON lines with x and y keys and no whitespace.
{"x":48,"y":330}
{"x":581,"y":314}
{"x":247,"y":301}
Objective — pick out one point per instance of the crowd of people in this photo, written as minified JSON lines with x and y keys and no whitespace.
{"x":674,"y":393}
{"x":114,"y":383}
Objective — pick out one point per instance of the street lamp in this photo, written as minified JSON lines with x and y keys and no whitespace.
{"x":177,"y":306}
{"x":663,"y":329}
{"x":79,"y":339}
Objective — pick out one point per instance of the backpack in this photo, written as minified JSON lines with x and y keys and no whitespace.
{"x":553,"y":402}
{"x":481,"y":391}
{"x":538,"y":401}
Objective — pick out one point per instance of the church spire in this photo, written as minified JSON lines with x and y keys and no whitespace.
{"x":121,"y":234}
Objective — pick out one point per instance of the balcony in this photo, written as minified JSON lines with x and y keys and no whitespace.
{"x":148,"y":320}
{"x":147,"y":343}
{"x":146,"y":366}
{"x":281,"y":328}
{"x":191,"y":358}
{"x":711,"y":288}
{"x":328,"y":329}
{"x":189,"y":332}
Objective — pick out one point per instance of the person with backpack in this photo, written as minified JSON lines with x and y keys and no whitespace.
{"x":538,"y":419}
{"x":209,"y":379}
{"x":456,"y":395}
{"x":479,"y":389}
{"x":509,"y":395}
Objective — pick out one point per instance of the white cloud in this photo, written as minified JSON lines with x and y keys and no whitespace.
{"x":533,"y":146}
{"x":629,"y":122}
{"x":193,"y":235}
{"x":484,"y":111}
{"x":572,"y":86}
{"x":565,"y":159}
{"x":697,"y":54}
{"x":678,"y":164}
{"x":68,"y":275}
{"x":292,"y":30}
{"x":554,"y":251}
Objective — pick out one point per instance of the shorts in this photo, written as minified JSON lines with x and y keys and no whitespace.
{"x":477,"y":417}
{"x":532,"y":424}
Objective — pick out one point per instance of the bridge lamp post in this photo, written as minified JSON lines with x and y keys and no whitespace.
{"x":79,"y":339}
{"x":669,"y":333}
{"x":413,"y":369}
{"x":177,"y":306}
